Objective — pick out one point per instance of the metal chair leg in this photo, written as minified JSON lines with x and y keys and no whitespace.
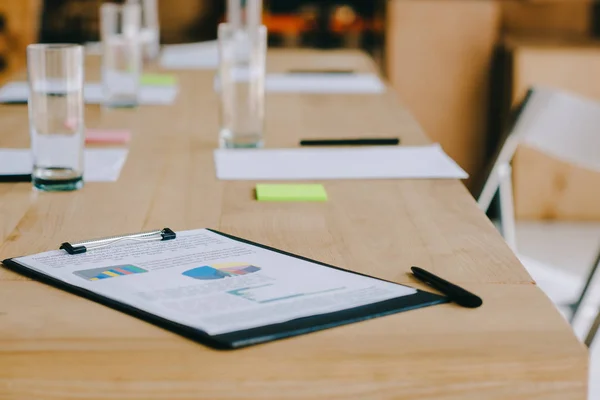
{"x":507,"y":212}
{"x":575,"y":307}
{"x":592,"y":333}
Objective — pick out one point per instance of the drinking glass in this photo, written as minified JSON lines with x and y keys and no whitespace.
{"x":150,"y":32}
{"x":56,"y":124}
{"x":121,"y":54}
{"x":241,"y":79}
{"x":244,"y":13}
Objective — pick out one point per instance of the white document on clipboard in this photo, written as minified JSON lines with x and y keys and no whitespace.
{"x":211,"y":282}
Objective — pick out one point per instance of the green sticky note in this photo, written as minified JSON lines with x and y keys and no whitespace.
{"x":158,"y":80}
{"x":290,"y":192}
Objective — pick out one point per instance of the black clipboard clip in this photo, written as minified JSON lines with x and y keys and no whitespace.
{"x":82,"y":247}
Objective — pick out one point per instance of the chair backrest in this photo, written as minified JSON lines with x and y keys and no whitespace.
{"x":562,"y":125}
{"x":559,"y":124}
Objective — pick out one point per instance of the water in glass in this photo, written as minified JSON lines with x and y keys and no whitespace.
{"x":56,"y":139}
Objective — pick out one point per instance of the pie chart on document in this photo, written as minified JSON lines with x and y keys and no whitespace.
{"x":220,"y":271}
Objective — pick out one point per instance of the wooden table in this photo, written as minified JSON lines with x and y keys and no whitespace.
{"x":54,"y":345}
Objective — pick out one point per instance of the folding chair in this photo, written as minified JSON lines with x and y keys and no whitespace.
{"x":558,"y":124}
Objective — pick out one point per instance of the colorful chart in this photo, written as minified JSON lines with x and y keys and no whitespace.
{"x":97,"y":274}
{"x":220,"y":271}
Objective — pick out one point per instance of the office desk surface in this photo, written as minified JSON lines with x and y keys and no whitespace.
{"x":54,"y":345}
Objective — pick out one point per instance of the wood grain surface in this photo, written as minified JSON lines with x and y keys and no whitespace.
{"x":54,"y":345}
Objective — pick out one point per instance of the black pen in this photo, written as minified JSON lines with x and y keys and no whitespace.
{"x":455,"y":293}
{"x":351,"y":142}
{"x":321,"y":71}
{"x":15,"y":178}
{"x":13,"y":102}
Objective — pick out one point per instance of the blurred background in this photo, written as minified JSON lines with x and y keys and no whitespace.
{"x":458,"y":65}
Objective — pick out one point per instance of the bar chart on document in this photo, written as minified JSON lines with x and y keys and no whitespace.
{"x":96,"y":274}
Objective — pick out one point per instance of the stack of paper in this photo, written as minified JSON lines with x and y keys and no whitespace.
{"x":100,"y":165}
{"x":202,"y":55}
{"x":419,"y":162}
{"x":18,"y":92}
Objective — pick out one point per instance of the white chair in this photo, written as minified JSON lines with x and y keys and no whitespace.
{"x":563,"y":126}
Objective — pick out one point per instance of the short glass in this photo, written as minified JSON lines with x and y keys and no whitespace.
{"x":241,"y":83}
{"x":56,"y":119}
{"x":121,"y":54}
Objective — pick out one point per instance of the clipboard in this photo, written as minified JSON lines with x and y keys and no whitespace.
{"x":245,"y":337}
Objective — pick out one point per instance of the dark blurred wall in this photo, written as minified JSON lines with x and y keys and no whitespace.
{"x":69,"y":21}
{"x":77,"y":21}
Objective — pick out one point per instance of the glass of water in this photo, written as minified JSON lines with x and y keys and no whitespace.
{"x":150,"y":32}
{"x":121,"y":54}
{"x":241,"y":83}
{"x":56,"y":124}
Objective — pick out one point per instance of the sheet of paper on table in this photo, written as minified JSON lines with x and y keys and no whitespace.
{"x":324,"y":83}
{"x":18,"y":92}
{"x":318,"y":83}
{"x":93,"y":48}
{"x":149,"y":95}
{"x":417,"y":162}
{"x":201,"y":55}
{"x":100,"y":165}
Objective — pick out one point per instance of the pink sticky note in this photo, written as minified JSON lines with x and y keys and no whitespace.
{"x":107,"y":136}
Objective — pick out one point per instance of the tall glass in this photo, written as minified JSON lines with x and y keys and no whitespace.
{"x":242,"y":59}
{"x":244,"y":13}
{"x":121,"y":54}
{"x":150,"y":33}
{"x":56,"y":124}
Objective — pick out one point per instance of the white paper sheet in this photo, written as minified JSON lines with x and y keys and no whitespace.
{"x":318,"y":83}
{"x":93,"y":48}
{"x":14,"y":92}
{"x":324,"y":83}
{"x":419,"y":162}
{"x":100,"y":165}
{"x":15,"y":162}
{"x":202,"y":55}
{"x":150,"y":95}
{"x":213,"y":283}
